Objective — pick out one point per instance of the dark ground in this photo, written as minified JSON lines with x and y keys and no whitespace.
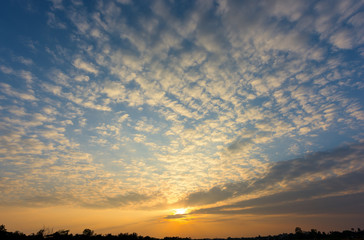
{"x":313,"y":234}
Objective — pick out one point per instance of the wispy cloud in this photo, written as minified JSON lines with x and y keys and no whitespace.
{"x":25,"y":61}
{"x":88,"y":67}
{"x":27,"y":96}
{"x":295,"y":186}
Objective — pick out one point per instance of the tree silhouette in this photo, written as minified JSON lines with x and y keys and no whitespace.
{"x":2,"y":228}
{"x":40,"y":233}
{"x":88,"y":232}
{"x":298,"y":230}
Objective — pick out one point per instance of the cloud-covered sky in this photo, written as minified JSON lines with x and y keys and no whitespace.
{"x":236,"y":111}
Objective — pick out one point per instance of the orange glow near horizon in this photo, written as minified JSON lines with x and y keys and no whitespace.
{"x":154,"y":223}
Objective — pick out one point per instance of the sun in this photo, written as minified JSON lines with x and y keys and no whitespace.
{"x":180,"y":211}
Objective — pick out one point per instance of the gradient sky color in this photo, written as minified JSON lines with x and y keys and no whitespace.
{"x":182,"y":118}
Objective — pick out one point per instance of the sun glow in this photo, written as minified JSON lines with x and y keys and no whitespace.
{"x":180,"y":211}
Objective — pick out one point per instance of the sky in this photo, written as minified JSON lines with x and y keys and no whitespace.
{"x":182,"y":118}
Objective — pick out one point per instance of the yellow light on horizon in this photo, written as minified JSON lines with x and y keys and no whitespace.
{"x":180,"y":211}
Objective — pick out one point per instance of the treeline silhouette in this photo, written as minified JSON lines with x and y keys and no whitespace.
{"x":87,"y":234}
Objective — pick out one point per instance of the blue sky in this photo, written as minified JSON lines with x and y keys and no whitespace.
{"x":219,"y":107}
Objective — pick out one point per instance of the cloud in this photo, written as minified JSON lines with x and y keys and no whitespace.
{"x":82,"y":96}
{"x":28,"y":76}
{"x":198,"y":104}
{"x":57,"y":4}
{"x":144,"y":126}
{"x":120,"y":200}
{"x":19,"y":111}
{"x":213,"y":195}
{"x":282,"y":10}
{"x":81,"y":78}
{"x":115,"y":90}
{"x":25,"y":61}
{"x":238,"y":145}
{"x":124,"y":1}
{"x":176,"y":216}
{"x":54,"y":22}
{"x":88,"y":67}
{"x":327,"y":205}
{"x":39,"y":201}
{"x":334,"y":19}
{"x":6,"y":70}
{"x":7,"y":89}
{"x":315,"y":175}
{"x":342,"y":39}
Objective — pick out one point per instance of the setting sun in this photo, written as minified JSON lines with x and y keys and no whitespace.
{"x":180,"y":211}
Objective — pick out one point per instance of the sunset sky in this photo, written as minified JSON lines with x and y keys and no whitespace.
{"x":182,"y":118}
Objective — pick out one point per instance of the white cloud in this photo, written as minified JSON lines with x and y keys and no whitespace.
{"x":139,"y":138}
{"x":27,"y":76}
{"x":7,"y":89}
{"x":6,"y":70}
{"x":81,"y":78}
{"x":123,"y":118}
{"x":292,"y":11}
{"x":342,"y":39}
{"x":88,"y":99}
{"x":88,"y":67}
{"x":144,"y":126}
{"x":114,"y":90}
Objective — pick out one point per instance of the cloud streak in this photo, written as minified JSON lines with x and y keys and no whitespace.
{"x":316,"y":184}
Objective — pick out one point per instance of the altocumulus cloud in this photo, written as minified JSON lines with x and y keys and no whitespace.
{"x":111,"y":104}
